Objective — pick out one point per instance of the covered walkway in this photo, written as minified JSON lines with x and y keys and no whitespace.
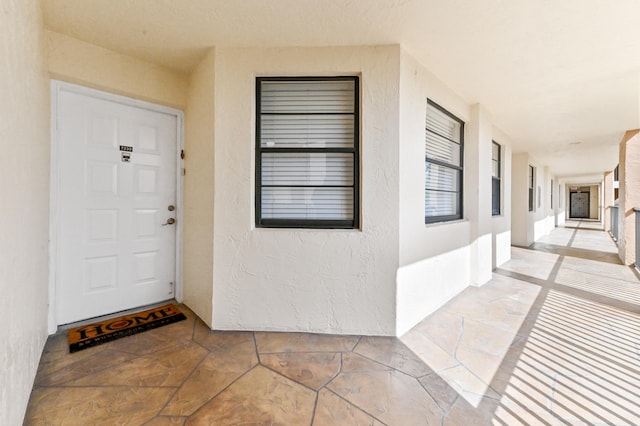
{"x":551,"y":339}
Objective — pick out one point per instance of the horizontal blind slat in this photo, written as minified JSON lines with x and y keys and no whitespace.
{"x":307,"y":131}
{"x":440,"y":203}
{"x":307,"y":169}
{"x":441,"y":178}
{"x":307,"y":203}
{"x":442,"y":149}
{"x":442,"y":124}
{"x":303,"y":96}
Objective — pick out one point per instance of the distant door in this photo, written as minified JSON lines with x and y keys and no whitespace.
{"x":579,"y":207}
{"x":117,"y":200}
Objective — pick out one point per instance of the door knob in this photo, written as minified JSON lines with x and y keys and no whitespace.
{"x":170,"y":221}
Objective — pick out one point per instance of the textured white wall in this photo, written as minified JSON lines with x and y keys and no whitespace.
{"x":434,"y":259}
{"x":520,"y":201}
{"x":501,"y":225}
{"x":477,"y":193}
{"x":24,"y":215}
{"x":199,"y":188}
{"x":543,"y":220}
{"x":607,"y":199}
{"x":310,"y":280}
{"x":594,"y":202}
{"x":83,"y":63}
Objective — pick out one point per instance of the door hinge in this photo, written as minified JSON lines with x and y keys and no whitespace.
{"x":182,"y":154}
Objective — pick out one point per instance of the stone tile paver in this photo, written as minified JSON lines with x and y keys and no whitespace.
{"x":551,"y":339}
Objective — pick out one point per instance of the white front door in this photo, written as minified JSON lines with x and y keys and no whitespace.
{"x":116,"y":229}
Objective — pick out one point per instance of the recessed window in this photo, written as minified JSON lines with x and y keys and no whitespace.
{"x":551,"y":192}
{"x":495,"y":178}
{"x":532,"y":176}
{"x":307,"y":152}
{"x":443,"y":165}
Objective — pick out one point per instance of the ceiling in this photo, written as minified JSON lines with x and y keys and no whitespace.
{"x":561,"y":78}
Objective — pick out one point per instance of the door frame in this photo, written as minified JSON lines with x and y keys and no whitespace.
{"x":54,"y":195}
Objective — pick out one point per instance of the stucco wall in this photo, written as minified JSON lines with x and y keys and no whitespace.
{"x":312,"y":280}
{"x":562,"y":209}
{"x":433,"y":259}
{"x":629,"y":195}
{"x":521,"y":234}
{"x":24,"y":215}
{"x":89,"y":65}
{"x":199,"y":188}
{"x":543,"y":220}
{"x":607,"y":199}
{"x":527,"y":226}
{"x":501,"y":224}
{"x":594,"y":202}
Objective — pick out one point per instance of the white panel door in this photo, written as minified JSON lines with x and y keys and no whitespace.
{"x":117,"y":181}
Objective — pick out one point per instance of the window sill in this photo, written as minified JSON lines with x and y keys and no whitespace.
{"x":448,"y":222}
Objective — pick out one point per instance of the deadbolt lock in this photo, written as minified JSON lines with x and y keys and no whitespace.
{"x":171,"y":208}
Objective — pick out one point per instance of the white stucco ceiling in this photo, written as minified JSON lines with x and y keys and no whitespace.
{"x":561,"y":77}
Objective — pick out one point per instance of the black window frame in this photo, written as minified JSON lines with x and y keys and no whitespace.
{"x":496,"y":182}
{"x":459,"y":169}
{"x":355,"y":150}
{"x":532,"y":185}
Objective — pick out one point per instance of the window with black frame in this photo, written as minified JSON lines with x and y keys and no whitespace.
{"x":444,"y":143}
{"x":532,"y":179}
{"x":307,"y":152}
{"x":496,"y":166}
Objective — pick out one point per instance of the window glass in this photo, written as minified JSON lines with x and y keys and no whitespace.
{"x":444,"y":142}
{"x":307,"y":152}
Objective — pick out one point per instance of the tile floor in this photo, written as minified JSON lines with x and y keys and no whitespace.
{"x":552,"y":339}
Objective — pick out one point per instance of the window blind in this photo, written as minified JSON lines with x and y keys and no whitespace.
{"x":443,"y":165}
{"x":495,"y":178}
{"x":307,"y":152}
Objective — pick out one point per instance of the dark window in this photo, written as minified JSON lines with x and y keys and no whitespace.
{"x":496,"y":165}
{"x":532,"y":175}
{"x":551,"y":190}
{"x":616,"y":180}
{"x":307,"y":152}
{"x":443,"y":165}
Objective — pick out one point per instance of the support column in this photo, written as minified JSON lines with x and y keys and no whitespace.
{"x":607,"y":199}
{"x":629,"y":195}
{"x":478,"y":194}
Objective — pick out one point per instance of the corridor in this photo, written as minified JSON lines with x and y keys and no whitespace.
{"x":552,"y":339}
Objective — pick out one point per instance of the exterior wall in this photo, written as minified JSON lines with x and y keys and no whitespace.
{"x":89,"y":65}
{"x":24,"y":172}
{"x":542,"y":217}
{"x":330,"y":281}
{"x":594,"y":202}
{"x":199,"y":189}
{"x":433,"y":259}
{"x":529,"y":226}
{"x":501,"y":225}
{"x":521,"y":232}
{"x":562,"y":209}
{"x":607,"y":199}
{"x":477,"y":194}
{"x":629,"y":195}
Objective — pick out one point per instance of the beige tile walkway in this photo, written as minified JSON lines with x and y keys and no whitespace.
{"x":552,"y":339}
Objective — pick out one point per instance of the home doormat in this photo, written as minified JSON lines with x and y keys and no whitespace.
{"x":105,"y":331}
